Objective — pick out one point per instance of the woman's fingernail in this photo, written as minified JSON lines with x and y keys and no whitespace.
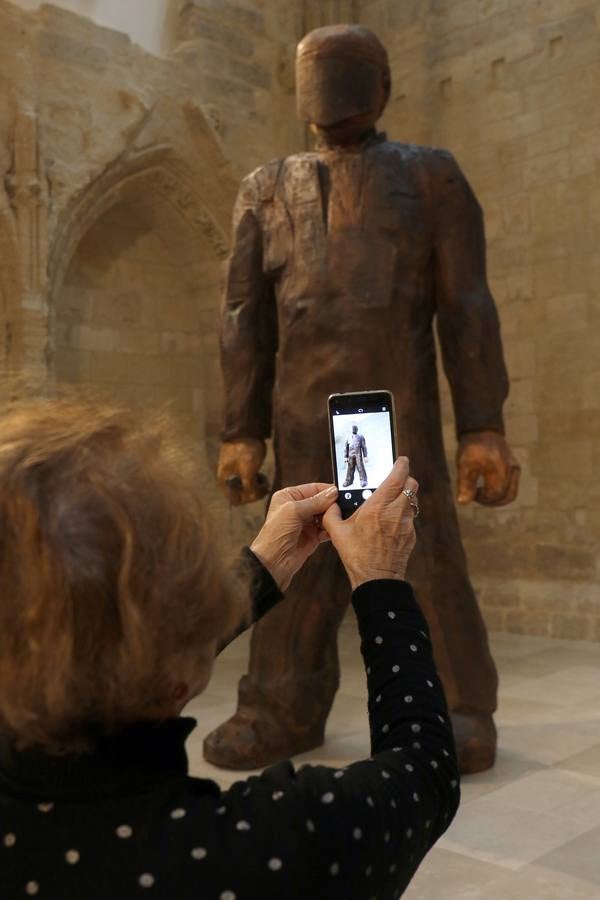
{"x":331,"y":491}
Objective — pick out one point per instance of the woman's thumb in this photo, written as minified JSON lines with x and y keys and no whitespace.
{"x":332,"y":518}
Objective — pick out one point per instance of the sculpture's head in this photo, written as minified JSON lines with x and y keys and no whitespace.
{"x":355,"y":429}
{"x":342,"y":81}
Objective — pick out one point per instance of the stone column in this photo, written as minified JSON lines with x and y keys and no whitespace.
{"x":28,"y":195}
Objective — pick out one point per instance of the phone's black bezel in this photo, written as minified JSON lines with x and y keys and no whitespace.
{"x":349,"y":403}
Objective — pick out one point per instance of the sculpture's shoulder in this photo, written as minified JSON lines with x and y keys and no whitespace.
{"x":431,"y":168}
{"x":308,"y":157}
{"x":262,"y":182}
{"x":433,"y":158}
{"x":259,"y":185}
{"x":306,"y":162}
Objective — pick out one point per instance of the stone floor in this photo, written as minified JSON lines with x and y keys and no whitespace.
{"x":530,"y":828}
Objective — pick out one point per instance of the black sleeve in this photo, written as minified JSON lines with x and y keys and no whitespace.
{"x":264,"y":593}
{"x":367,"y":827}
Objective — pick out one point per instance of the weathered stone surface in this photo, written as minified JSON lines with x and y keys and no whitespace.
{"x":110,"y":261}
{"x":521,"y":120}
{"x":252,"y":73}
{"x":73,"y":52}
{"x":529,"y":621}
{"x":577,"y":628}
{"x":195,"y":24}
{"x":116,"y":215}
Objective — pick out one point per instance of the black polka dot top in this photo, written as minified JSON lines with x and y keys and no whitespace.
{"x":127,"y":821}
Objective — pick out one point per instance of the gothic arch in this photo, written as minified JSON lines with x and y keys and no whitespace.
{"x":134,"y":273}
{"x":155,"y":168}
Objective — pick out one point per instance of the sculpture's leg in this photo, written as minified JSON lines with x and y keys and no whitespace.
{"x":362,"y":472}
{"x":350,"y":471}
{"x":293,"y":674}
{"x":438,"y":572}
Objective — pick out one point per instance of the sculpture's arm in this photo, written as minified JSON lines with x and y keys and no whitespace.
{"x":248,"y":329}
{"x":364,"y":447}
{"x":467,"y":320}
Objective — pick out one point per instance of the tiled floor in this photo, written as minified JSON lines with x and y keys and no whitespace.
{"x":530,"y":828}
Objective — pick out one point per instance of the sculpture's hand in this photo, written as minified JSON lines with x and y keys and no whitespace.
{"x":238,"y":470}
{"x":365,"y":459}
{"x":486,"y":455}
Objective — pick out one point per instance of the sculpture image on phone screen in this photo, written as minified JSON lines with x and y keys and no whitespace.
{"x":363,"y":449}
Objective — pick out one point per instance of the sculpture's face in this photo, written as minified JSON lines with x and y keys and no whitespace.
{"x":342,"y":80}
{"x":355,"y":429}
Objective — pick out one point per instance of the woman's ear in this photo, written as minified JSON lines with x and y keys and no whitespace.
{"x":180,"y":692}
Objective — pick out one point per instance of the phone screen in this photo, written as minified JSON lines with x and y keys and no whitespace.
{"x":363,"y":445}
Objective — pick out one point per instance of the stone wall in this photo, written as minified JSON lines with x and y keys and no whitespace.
{"x":511,"y":87}
{"x":243,"y":53}
{"x":118,"y":172}
{"x":148,"y":23}
{"x":120,"y":169}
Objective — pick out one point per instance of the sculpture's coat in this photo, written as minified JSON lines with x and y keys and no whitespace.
{"x":342,"y":260}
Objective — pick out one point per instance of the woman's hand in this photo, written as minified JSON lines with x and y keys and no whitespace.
{"x":292,"y":530}
{"x":377,"y":541}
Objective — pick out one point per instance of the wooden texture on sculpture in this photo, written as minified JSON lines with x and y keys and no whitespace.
{"x":342,"y":260}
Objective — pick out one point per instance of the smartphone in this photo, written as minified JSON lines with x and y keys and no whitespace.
{"x":362,"y":429}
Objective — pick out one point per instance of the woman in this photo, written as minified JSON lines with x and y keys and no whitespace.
{"x":112,"y":606}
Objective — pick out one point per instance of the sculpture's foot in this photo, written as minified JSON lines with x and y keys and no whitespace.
{"x":475,"y":737}
{"x":363,"y":484}
{"x":249,"y":741}
{"x":346,"y":484}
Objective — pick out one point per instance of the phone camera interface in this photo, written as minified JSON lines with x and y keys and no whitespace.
{"x":364,"y":451}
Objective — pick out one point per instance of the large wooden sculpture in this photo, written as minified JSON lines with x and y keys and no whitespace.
{"x":342,"y":259}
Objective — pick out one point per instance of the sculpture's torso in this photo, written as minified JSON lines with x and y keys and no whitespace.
{"x":347,"y":243}
{"x":355,"y":444}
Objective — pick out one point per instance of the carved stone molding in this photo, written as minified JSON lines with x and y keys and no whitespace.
{"x":24,"y":224}
{"x":10,"y":282}
{"x":155,"y":169}
{"x":28,"y":195}
{"x":186,"y":202}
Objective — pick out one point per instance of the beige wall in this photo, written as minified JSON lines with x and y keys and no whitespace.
{"x":121,"y":168}
{"x":512,"y":88}
{"x":243,"y":53}
{"x":131,"y":316}
{"x":118,"y":173}
{"x":149,"y":23}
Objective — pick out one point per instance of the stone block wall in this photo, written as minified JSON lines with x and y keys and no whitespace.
{"x":118,"y":171}
{"x":243,"y":52}
{"x":512,"y":88}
